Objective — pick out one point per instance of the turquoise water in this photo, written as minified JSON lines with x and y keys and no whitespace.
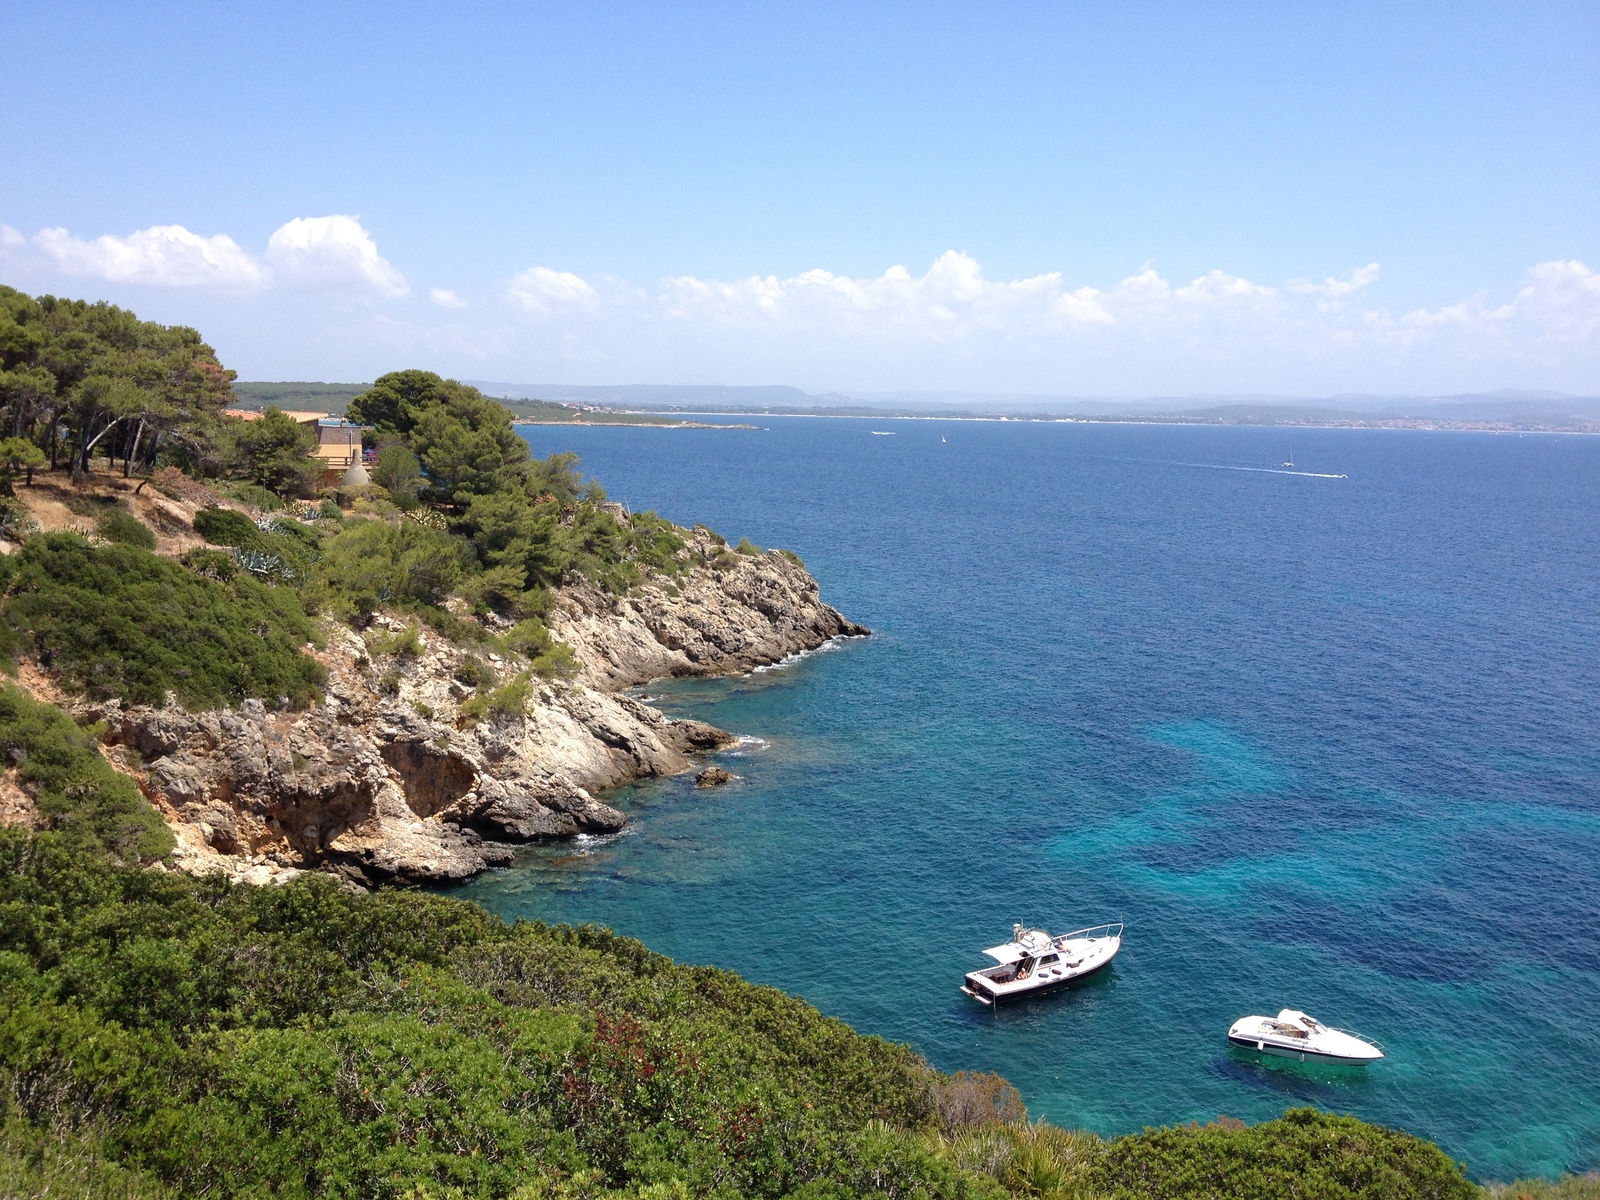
{"x":1331,"y":744}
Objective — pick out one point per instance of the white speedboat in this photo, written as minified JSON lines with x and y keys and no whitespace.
{"x":1293,"y":1034}
{"x":1033,"y":962}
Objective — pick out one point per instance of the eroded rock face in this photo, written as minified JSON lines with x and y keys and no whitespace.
{"x":746,"y":612}
{"x":388,"y":779}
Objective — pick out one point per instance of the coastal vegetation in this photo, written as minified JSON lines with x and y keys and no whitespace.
{"x":167,"y":1035}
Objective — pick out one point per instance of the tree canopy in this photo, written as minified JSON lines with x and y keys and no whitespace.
{"x":78,"y":378}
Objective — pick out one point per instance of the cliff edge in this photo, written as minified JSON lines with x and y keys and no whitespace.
{"x":403,"y":772}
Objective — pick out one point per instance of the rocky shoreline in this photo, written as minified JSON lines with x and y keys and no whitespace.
{"x":386,"y":780}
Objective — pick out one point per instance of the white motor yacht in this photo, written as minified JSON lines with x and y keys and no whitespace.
{"x":1033,"y":961}
{"x":1293,"y":1034}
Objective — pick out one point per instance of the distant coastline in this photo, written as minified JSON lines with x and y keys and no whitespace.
{"x":666,"y":407}
{"x":1426,"y":424}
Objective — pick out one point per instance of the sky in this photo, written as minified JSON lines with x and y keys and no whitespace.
{"x":1068,"y":199}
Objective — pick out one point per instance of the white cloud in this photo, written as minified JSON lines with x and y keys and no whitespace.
{"x":445,"y":298}
{"x":161,"y":256}
{"x":953,"y":326}
{"x":332,"y":252}
{"x":542,"y":291}
{"x":1335,"y":286}
{"x":1218,"y":287}
{"x":951,"y":298}
{"x":324,"y":253}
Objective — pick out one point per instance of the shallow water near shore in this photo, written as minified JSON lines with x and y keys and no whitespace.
{"x":1323,"y":743}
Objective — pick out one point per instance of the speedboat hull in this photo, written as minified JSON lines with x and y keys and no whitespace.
{"x":1294,"y":1035}
{"x":1301,"y":1053}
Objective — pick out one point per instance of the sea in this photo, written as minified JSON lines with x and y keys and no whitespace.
{"x":1324,"y":736}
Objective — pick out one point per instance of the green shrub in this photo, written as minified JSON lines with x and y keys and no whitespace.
{"x":403,"y":642}
{"x":746,"y":546}
{"x":508,"y":700}
{"x":213,"y":564}
{"x":226,"y":527}
{"x":1305,"y":1153}
{"x":473,"y":672}
{"x":35,"y":1165}
{"x":119,"y":622}
{"x":549,"y":658}
{"x":125,"y":529}
{"x":15,"y":523}
{"x":75,"y":790}
{"x":371,"y":564}
{"x":252,"y":494}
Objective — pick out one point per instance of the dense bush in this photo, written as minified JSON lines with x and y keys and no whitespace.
{"x":373,"y":564}
{"x":277,"y":550}
{"x":1305,"y":1153}
{"x":119,"y":622}
{"x":225,"y":527}
{"x":305,"y":1041}
{"x":125,"y":529}
{"x":74,"y":789}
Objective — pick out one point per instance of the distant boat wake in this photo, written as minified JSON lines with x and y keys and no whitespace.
{"x":1226,"y":467}
{"x":1266,"y":470}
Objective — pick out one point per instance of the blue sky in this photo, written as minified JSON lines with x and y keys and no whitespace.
{"x":1076,"y":199}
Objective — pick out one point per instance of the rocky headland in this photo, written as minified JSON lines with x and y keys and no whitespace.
{"x":393,"y":776}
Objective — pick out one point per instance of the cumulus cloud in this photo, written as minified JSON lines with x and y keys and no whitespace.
{"x":1216,"y":331}
{"x":542,"y":291}
{"x":332,"y":252}
{"x":445,"y":298}
{"x":161,"y":256}
{"x":1336,"y":286}
{"x":953,"y":294}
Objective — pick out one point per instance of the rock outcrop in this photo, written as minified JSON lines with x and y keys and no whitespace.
{"x":390,"y":777}
{"x":740,"y":612}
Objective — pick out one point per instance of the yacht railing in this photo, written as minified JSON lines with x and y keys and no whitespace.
{"x":1111,"y":929}
{"x":1360,"y":1037}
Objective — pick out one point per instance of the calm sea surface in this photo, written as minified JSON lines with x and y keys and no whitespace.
{"x":1323,"y":743}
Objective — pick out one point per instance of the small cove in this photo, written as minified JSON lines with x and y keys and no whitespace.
{"x":1330,"y":743}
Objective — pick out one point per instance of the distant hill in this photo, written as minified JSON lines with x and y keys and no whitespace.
{"x":616,"y":404}
{"x":308,"y":397}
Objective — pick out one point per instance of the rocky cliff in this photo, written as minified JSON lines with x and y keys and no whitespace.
{"x":388,"y":778}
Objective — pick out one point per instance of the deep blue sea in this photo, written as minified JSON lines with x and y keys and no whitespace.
{"x":1323,"y":743}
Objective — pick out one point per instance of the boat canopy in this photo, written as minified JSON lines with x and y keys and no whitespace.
{"x":1026,"y":943}
{"x":1006,"y":954}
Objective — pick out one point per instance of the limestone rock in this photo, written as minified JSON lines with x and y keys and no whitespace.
{"x":387,"y":778}
{"x":742,"y":612}
{"x":713,"y":777}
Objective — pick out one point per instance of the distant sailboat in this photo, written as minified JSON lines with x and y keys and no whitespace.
{"x":1289,"y":462}
{"x":942,"y":440}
